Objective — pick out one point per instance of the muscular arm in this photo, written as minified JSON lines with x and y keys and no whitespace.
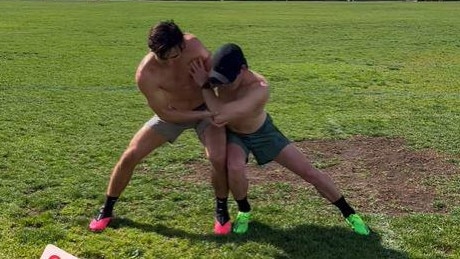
{"x":254,"y":99}
{"x":212,"y":100}
{"x":199,"y":71}
{"x":256,"y":95}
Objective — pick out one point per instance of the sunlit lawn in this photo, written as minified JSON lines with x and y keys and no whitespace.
{"x":69,"y":106}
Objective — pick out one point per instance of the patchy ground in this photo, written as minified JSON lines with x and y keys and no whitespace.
{"x":379,"y":175}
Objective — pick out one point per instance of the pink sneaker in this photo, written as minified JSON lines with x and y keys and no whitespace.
{"x":224,"y":229}
{"x":98,"y":225}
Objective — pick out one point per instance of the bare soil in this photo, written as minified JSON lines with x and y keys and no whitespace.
{"x":378,"y":174}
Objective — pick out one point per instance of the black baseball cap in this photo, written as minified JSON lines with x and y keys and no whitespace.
{"x":226,"y":64}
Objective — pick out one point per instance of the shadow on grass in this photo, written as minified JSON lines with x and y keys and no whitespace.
{"x":128,"y":223}
{"x":304,"y":241}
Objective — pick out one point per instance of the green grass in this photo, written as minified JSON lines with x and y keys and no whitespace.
{"x":69,"y":106}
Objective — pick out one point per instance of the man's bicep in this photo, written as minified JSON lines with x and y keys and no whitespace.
{"x":246,"y":104}
{"x":155,"y":98}
{"x":254,"y":99}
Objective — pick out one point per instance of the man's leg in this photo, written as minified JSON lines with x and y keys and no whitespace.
{"x":214,"y":141}
{"x":143,"y":142}
{"x":238,"y":183}
{"x":291,"y":158}
{"x":236,"y":166}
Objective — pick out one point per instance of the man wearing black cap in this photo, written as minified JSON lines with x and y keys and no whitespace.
{"x":239,"y":104}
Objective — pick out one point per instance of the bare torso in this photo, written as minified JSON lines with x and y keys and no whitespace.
{"x":178,"y":88}
{"x":254,"y":118}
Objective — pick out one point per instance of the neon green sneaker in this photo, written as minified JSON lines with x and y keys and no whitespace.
{"x":357,"y":224}
{"x":240,"y":226}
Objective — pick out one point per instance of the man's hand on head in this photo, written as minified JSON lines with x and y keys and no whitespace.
{"x":198,"y":72}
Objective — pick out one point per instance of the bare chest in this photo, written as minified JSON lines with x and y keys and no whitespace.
{"x":228,"y":95}
{"x":177,"y":80}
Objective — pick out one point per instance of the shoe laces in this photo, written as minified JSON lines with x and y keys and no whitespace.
{"x":353,"y":218}
{"x":243,"y":217}
{"x":102,"y":214}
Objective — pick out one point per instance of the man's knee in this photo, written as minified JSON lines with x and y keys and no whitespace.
{"x":217,"y":159}
{"x":235,"y":170}
{"x":131,"y":156}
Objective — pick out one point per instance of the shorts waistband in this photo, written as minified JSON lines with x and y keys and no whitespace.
{"x":201,"y":107}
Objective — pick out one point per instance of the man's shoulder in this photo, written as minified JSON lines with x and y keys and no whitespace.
{"x":193,"y":43}
{"x":146,"y":81}
{"x":259,"y":76}
{"x":258,"y":80}
{"x":189,"y":37}
{"x":145,"y":74}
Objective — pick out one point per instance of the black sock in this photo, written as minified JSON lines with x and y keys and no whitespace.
{"x":108,"y":206}
{"x":243,"y":205}
{"x":344,"y":207}
{"x":222,"y":211}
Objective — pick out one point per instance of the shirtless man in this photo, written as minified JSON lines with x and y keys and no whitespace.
{"x":240,"y":102}
{"x":163,"y":77}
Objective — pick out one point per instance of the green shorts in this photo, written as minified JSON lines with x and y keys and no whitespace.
{"x":265,"y":144}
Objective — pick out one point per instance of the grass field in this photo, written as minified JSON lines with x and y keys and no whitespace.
{"x":69,"y":106}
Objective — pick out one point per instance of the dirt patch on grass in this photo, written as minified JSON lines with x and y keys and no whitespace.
{"x":377,"y":175}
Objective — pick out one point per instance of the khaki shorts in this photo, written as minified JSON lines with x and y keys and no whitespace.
{"x":265,"y":144}
{"x":171,"y":131}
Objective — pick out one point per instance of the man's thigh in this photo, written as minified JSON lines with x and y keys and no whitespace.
{"x":214,"y":140}
{"x":237,"y":156}
{"x":169,"y":131}
{"x":237,"y":150}
{"x":145,"y":141}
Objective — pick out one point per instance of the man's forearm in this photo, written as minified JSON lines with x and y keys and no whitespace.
{"x":212,"y":101}
{"x":224,"y":111}
{"x":178,"y":116}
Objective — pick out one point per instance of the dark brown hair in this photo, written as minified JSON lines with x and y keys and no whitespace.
{"x":165,"y":36}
